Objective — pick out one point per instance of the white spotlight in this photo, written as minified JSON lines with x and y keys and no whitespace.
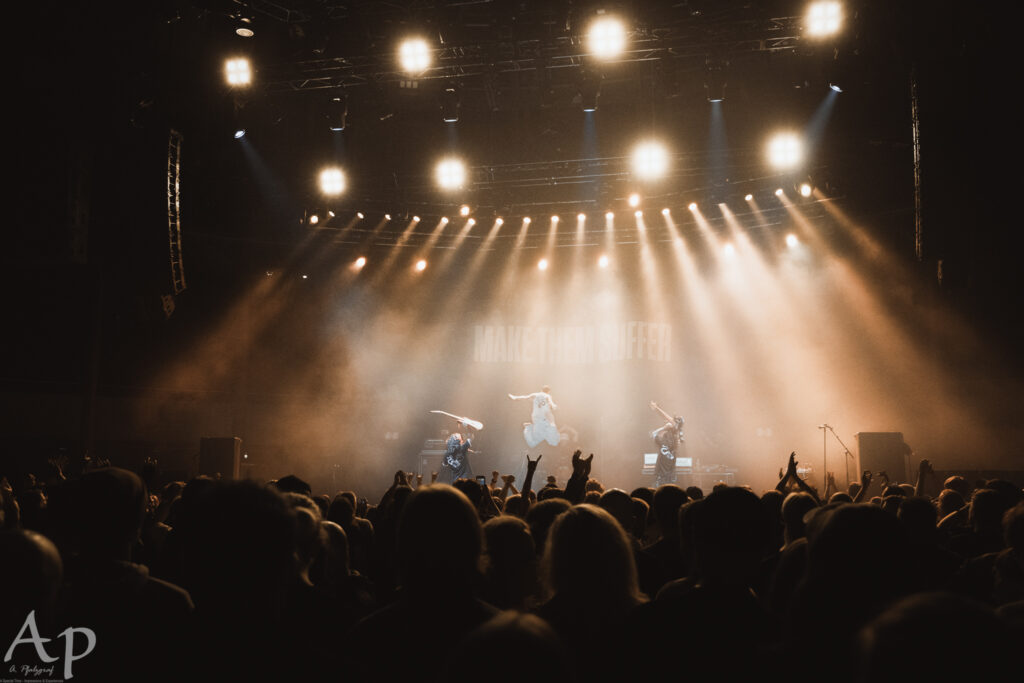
{"x":824,"y":18}
{"x":471,"y":222}
{"x":581,"y":216}
{"x":805,"y":190}
{"x":542,"y":264}
{"x":421,"y":265}
{"x":414,"y":55}
{"x":415,"y":219}
{"x":314,"y":219}
{"x":237,"y":71}
{"x":450,"y":174}
{"x":554,"y":219}
{"x":332,"y":181}
{"x":650,"y":160}
{"x":360,"y":215}
{"x":785,"y":150}
{"x":634,"y":200}
{"x":606,"y":38}
{"x":360,"y":262}
{"x":729,"y":249}
{"x":463,"y":210}
{"x":499,"y":221}
{"x":638,"y":214}
{"x":240,"y":133}
{"x":609,"y":215}
{"x":526,"y":220}
{"x":602,"y":262}
{"x":778,"y":192}
{"x":692,"y":206}
{"x":665,"y":211}
{"x":749,"y":197}
{"x":444,"y":220}
{"x":791,"y":240}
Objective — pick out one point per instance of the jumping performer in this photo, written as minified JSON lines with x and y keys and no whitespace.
{"x":543,"y":426}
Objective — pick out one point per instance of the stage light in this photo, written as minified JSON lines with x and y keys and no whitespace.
{"x":305,"y":277}
{"x":665,"y":211}
{"x":240,"y":133}
{"x":421,"y":265}
{"x":314,"y":219}
{"x":609,"y":216}
{"x":331,"y":214}
{"x":581,"y":216}
{"x":634,"y":200}
{"x":450,"y":174}
{"x":360,"y":215}
{"x":805,"y":190}
{"x":729,"y":249}
{"x":602,"y":262}
{"x":692,"y":206}
{"x":471,"y":222}
{"x":714,"y":79}
{"x":337,"y":113}
{"x":444,"y":220}
{"x":650,"y":160}
{"x":463,"y":210}
{"x":785,"y":150}
{"x":243,"y":26}
{"x":387,"y":216}
{"x":415,"y":219}
{"x":554,"y":219}
{"x":791,"y":240}
{"x":450,"y":105}
{"x":360,"y":262}
{"x":332,"y":181}
{"x":414,"y":55}
{"x":526,"y":220}
{"x":824,"y":18}
{"x":835,"y":87}
{"x":542,"y":264}
{"x":748,"y":197}
{"x":588,"y":89}
{"x":499,"y":221}
{"x":606,"y":38}
{"x":237,"y":71}
{"x":778,"y":192}
{"x":638,"y":214}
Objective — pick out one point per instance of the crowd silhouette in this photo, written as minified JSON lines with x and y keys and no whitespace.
{"x":213,"y":579}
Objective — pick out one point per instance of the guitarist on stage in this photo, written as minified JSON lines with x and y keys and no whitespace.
{"x":455,"y":463}
{"x":667,"y":437}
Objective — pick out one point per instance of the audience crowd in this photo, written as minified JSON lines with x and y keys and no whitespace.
{"x":213,"y":579}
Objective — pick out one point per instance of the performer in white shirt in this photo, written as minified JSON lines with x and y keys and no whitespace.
{"x":543,"y":426}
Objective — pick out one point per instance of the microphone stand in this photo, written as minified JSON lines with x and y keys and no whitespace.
{"x":825,"y":428}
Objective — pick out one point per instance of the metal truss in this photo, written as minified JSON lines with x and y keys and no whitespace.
{"x":174,"y":210}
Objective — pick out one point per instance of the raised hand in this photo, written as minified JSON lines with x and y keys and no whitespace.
{"x":508,"y":478}
{"x":791,"y":468}
{"x":531,"y":465}
{"x":865,"y":479}
{"x":925,"y":467}
{"x":433,"y":477}
{"x":399,"y":478}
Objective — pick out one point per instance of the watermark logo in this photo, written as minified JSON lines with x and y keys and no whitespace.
{"x":39,"y":643}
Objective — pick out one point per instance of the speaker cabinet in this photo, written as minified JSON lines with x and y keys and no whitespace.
{"x":220,"y":457}
{"x":883,"y":452}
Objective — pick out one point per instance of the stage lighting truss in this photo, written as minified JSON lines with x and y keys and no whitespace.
{"x":495,"y":63}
